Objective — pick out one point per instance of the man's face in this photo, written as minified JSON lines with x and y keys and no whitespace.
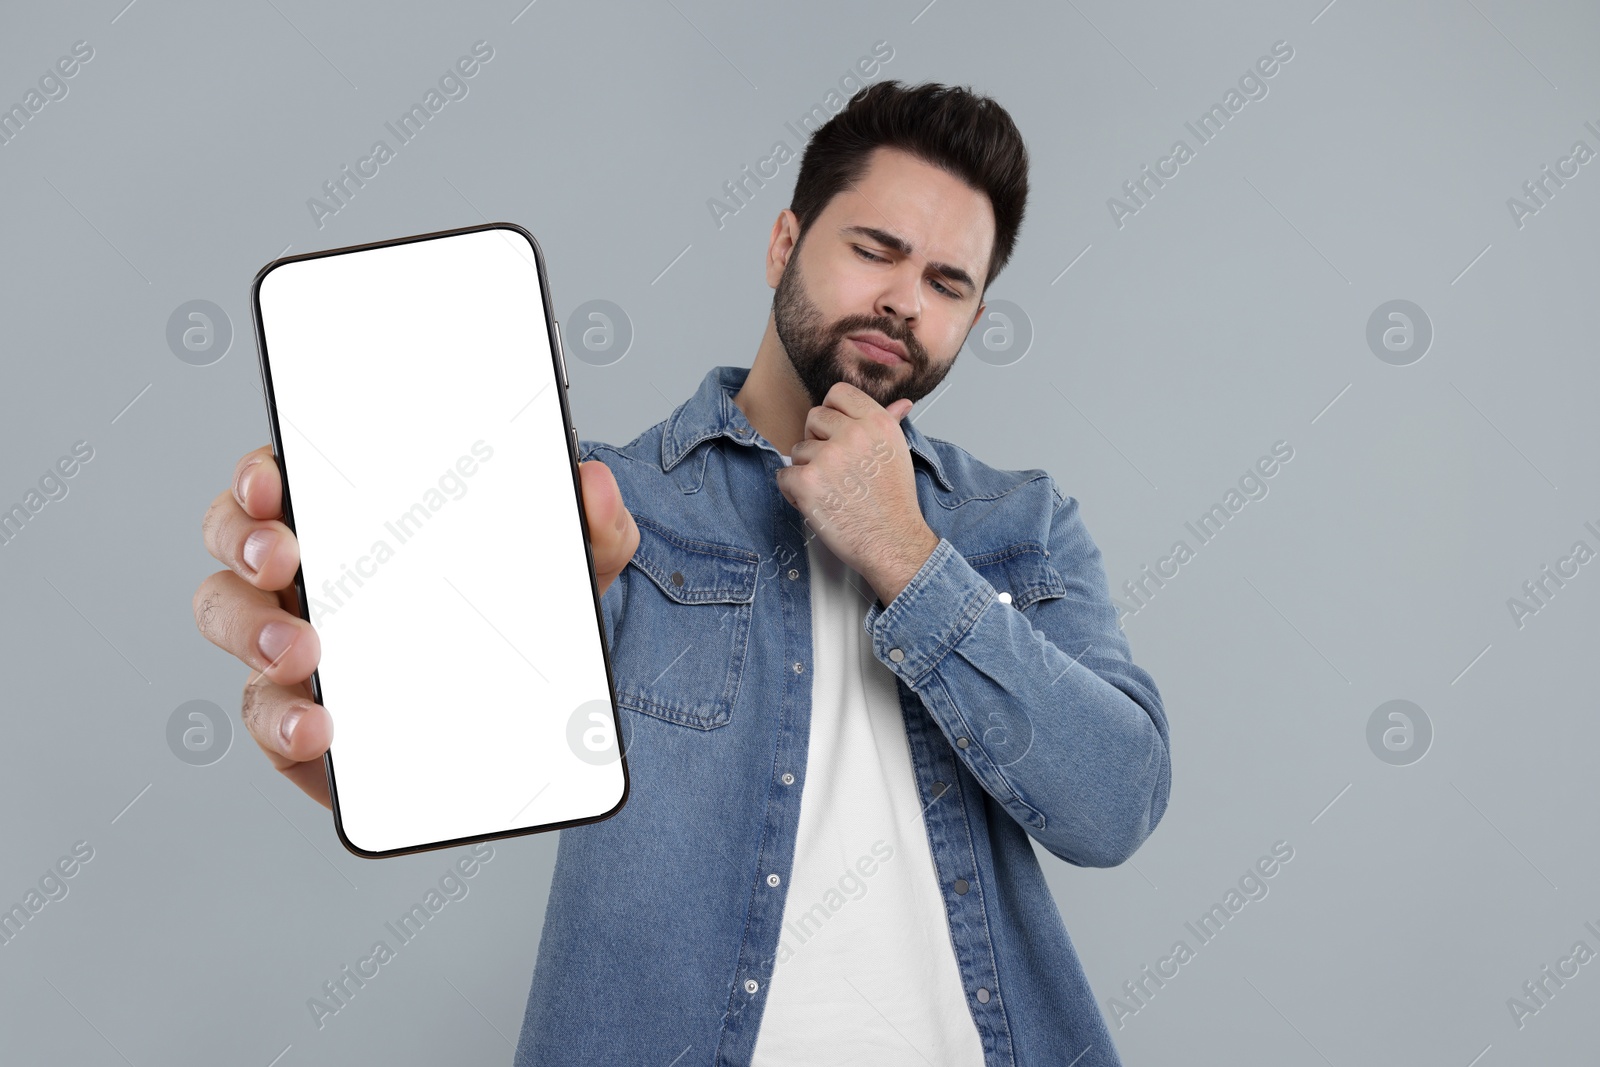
{"x":900,"y":254}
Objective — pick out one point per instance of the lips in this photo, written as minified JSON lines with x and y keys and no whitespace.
{"x":877,"y":347}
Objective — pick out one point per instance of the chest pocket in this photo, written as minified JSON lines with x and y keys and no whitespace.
{"x":1021,"y":570}
{"x":688,"y":621}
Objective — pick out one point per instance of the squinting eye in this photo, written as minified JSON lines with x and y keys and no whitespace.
{"x":867,"y":255}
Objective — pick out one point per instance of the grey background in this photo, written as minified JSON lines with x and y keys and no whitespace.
{"x":1228,"y":314}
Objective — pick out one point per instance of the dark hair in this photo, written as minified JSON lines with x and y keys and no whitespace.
{"x":950,"y":127}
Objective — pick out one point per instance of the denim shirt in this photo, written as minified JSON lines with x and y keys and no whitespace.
{"x":1024,"y":713}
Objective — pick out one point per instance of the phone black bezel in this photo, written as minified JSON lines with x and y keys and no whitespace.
{"x":558,"y":368}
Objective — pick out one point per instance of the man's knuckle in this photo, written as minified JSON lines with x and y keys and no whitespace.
{"x":250,"y":702}
{"x":209,"y":522}
{"x":206,"y":601}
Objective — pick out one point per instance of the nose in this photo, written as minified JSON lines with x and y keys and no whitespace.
{"x":899,"y":298}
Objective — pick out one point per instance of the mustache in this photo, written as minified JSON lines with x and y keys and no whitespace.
{"x":915,"y":354}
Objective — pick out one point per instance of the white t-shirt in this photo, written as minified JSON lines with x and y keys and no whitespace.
{"x":865,"y":973}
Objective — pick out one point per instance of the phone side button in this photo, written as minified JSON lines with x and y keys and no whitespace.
{"x":561,"y":356}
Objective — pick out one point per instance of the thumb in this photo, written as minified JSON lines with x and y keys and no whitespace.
{"x":900,"y":408}
{"x":613,"y":535}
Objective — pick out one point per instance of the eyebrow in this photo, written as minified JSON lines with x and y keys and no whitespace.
{"x":902,"y":246}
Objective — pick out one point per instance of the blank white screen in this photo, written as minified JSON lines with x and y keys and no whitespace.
{"x":428,"y":472}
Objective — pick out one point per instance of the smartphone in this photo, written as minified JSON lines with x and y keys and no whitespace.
{"x":416,"y":392}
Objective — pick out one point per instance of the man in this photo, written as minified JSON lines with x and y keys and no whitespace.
{"x":858,"y":668}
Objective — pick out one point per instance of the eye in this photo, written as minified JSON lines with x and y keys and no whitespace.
{"x":946,"y":291}
{"x":864,"y":254}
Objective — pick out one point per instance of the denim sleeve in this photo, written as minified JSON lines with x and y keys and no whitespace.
{"x":612,"y":604}
{"x":1043,"y":705}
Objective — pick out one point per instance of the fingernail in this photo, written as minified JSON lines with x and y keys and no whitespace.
{"x":257,"y":547}
{"x":276,"y":637}
{"x":242,"y":486}
{"x":622,"y":521}
{"x":286,"y":726}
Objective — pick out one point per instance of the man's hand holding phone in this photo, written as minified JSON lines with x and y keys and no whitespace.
{"x":252,"y":609}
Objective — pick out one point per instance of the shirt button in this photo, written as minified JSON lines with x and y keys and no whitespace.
{"x":751,"y":985}
{"x":773,"y":880}
{"x":677,"y":578}
{"x":938,"y":789}
{"x":961,"y":887}
{"x":983,"y":995}
{"x":896,"y":655}
{"x":793,"y":573}
{"x":798,"y":666}
{"x":961,"y":742}
{"x":1005,"y":598}
{"x":788,"y":779}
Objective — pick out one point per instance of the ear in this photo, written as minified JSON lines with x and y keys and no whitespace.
{"x":976,"y":315}
{"x":780,"y":246}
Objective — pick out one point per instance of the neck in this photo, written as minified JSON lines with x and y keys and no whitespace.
{"x":772,"y":398}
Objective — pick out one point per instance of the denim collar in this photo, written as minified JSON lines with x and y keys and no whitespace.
{"x":711,"y":412}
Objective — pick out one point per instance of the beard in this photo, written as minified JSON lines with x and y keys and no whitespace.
{"x":821,"y":355}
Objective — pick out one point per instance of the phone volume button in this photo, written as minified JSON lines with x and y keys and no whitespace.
{"x":561,"y":356}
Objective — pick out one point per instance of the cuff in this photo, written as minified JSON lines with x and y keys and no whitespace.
{"x":932,"y":613}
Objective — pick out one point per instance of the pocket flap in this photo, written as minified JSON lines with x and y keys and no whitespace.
{"x":695,"y":572}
